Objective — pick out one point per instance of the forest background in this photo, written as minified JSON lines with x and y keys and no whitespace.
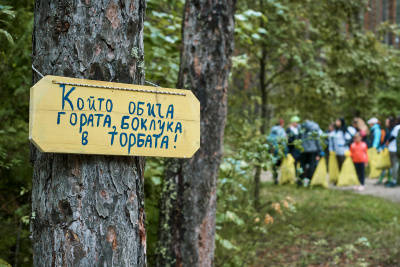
{"x":291,"y":58}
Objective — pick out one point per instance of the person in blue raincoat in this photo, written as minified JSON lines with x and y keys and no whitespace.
{"x":390,"y":124}
{"x":276,"y":137}
{"x":341,"y":137}
{"x":312,"y":150}
{"x":375,"y":137}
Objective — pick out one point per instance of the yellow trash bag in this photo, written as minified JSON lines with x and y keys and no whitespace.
{"x":373,"y":157}
{"x":288,"y":171}
{"x":319,"y":177}
{"x":348,"y":174}
{"x":333,"y":168}
{"x":383,"y":161}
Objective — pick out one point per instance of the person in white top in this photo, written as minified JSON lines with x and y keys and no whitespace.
{"x":340,"y":138}
{"x":392,"y":147}
{"x":351,"y":131}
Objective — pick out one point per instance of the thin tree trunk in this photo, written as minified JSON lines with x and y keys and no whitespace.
{"x":188,"y":201}
{"x":17,"y":244}
{"x":257,"y":177}
{"x":88,"y":210}
{"x":263,"y":127}
{"x":264,"y":94}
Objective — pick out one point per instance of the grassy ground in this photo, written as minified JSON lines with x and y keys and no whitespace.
{"x":328,"y":228}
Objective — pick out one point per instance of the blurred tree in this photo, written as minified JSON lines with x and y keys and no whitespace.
{"x":188,"y":200}
{"x":291,"y":59}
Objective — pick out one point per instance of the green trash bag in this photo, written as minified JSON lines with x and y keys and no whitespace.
{"x":348,"y":174}
{"x":383,"y":160}
{"x":288,"y":171}
{"x":373,"y":158}
{"x":319,"y":177}
{"x":333,"y":167}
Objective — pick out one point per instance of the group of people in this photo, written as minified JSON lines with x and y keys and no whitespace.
{"x":307,"y":143}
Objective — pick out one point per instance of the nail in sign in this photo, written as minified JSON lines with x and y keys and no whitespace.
{"x":68,"y":115}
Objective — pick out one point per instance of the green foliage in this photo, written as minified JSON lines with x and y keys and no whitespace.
{"x":316,"y":66}
{"x":162,"y":39}
{"x":16,"y":81}
{"x":152,"y":190}
{"x":314,"y":227}
{"x":3,"y":263}
{"x":15,"y":170}
{"x":240,"y":228}
{"x":6,"y":11}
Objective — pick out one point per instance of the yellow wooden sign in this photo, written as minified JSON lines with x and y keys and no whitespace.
{"x":68,"y":115}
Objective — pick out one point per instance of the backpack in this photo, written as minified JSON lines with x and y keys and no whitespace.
{"x":309,"y":144}
{"x":383,"y":133}
{"x":372,"y":137}
{"x":348,"y":142}
{"x":398,"y":145}
{"x":311,"y":126}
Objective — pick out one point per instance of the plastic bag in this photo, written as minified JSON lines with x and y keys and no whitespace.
{"x":383,"y":160}
{"x":348,"y":174}
{"x":373,"y":157}
{"x":333,"y":168}
{"x":319,"y":177}
{"x":288,"y":171}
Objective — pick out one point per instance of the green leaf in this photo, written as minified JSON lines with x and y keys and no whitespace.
{"x":252,"y":13}
{"x":8,"y":36}
{"x":227,"y":244}
{"x":169,"y":39}
{"x":156,"y":180}
{"x":234,"y":218}
{"x":262,"y":31}
{"x":240,"y":17}
{"x":3,"y":263}
{"x":256,"y":36}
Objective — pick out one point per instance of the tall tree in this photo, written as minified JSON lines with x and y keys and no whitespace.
{"x":188,"y":201}
{"x":88,"y":210}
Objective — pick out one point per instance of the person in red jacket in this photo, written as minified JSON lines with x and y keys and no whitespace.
{"x":358,"y":150}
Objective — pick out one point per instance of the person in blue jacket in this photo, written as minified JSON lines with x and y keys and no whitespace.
{"x":390,"y":124}
{"x":375,"y":137}
{"x":276,"y":137}
{"x":312,"y":150}
{"x":341,"y":136}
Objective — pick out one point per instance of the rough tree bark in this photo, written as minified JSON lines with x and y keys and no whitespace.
{"x":188,"y":201}
{"x":88,"y":210}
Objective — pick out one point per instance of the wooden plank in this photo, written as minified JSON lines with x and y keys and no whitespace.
{"x":63,"y":119}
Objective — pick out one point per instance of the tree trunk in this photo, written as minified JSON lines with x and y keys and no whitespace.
{"x":264,"y":122}
{"x":264,"y":94}
{"x":188,"y":201}
{"x":257,"y":178}
{"x":88,"y":210}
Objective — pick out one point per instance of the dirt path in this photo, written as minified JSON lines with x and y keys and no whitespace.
{"x":392,"y":194}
